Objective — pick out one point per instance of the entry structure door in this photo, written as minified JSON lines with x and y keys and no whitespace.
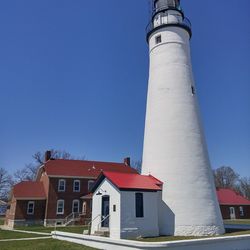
{"x":105,"y":211}
{"x":232,"y":213}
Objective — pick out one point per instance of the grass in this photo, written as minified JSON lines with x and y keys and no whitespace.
{"x":69,"y":229}
{"x":238,"y":233}
{"x":4,"y":234}
{"x":48,"y":244}
{"x":237,"y":222}
{"x":1,"y":221}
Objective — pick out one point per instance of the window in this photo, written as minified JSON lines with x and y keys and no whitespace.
{"x":61,"y":185}
{"x":75,"y":206}
{"x":139,"y":205}
{"x":90,"y":184}
{"x":31,"y":207}
{"x":193,"y":90}
{"x":60,"y":207}
{"x":158,"y":39}
{"x":241,"y":211}
{"x":76,"y":186}
{"x":84,"y":208}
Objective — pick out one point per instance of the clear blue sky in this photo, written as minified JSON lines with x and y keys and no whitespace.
{"x":73,"y":76}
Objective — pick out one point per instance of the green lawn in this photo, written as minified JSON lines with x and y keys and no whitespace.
{"x":70,"y":229}
{"x":1,"y":221}
{"x":48,"y":244}
{"x":245,"y":222}
{"x":4,"y":234}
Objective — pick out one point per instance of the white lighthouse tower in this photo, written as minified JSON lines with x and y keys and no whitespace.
{"x":175,"y":150}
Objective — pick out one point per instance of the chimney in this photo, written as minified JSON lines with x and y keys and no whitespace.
{"x":127,"y":161}
{"x":47,"y":156}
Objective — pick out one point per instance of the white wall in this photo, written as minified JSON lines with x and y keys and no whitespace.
{"x":114,"y":219}
{"x":174,"y":144}
{"x":131,"y":226}
{"x":222,"y":243}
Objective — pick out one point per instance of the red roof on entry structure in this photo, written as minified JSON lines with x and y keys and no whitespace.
{"x":230,"y":197}
{"x":29,"y":189}
{"x":77,"y":168}
{"x":132,"y":181}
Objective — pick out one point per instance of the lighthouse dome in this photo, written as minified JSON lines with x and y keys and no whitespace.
{"x":160,"y":4}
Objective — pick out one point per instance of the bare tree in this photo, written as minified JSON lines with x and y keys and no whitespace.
{"x":137,"y":164}
{"x":29,"y":172}
{"x":5,"y":183}
{"x":245,"y":187}
{"x":55,"y":154}
{"x":226,"y":177}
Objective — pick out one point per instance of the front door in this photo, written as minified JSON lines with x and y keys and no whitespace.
{"x":232,"y":213}
{"x":105,"y":211}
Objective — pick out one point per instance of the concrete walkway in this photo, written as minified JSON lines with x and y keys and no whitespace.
{"x":24,"y":231}
{"x":22,"y":239}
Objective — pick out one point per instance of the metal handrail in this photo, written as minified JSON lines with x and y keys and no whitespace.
{"x":70,"y":218}
{"x":98,"y":226}
{"x":91,"y":222}
{"x":185,"y":22}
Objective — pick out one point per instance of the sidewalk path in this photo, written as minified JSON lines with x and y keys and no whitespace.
{"x":22,"y":239}
{"x":23,"y":231}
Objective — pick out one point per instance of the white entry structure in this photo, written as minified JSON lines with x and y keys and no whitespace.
{"x":125,"y":205}
{"x":175,"y":150}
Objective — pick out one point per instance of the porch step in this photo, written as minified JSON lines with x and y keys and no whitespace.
{"x":101,"y":233}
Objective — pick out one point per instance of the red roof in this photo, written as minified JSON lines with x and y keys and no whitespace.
{"x":131,"y":181}
{"x":76,"y":168}
{"x":29,"y":189}
{"x":230,"y":197}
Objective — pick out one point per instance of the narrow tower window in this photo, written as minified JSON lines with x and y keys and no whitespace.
{"x":158,"y":39}
{"x":193,"y":90}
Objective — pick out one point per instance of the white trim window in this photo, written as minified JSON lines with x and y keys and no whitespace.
{"x":75,"y":206}
{"x":31,"y":207}
{"x":84,"y":208}
{"x":61,"y":185}
{"x":242,"y":212}
{"x":90,"y":184}
{"x":60,"y":207}
{"x":77,"y":186}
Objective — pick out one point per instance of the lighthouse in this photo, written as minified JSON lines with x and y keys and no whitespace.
{"x":174,"y":148}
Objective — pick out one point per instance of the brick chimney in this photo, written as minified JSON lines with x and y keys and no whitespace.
{"x":127,"y":161}
{"x":47,"y":156}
